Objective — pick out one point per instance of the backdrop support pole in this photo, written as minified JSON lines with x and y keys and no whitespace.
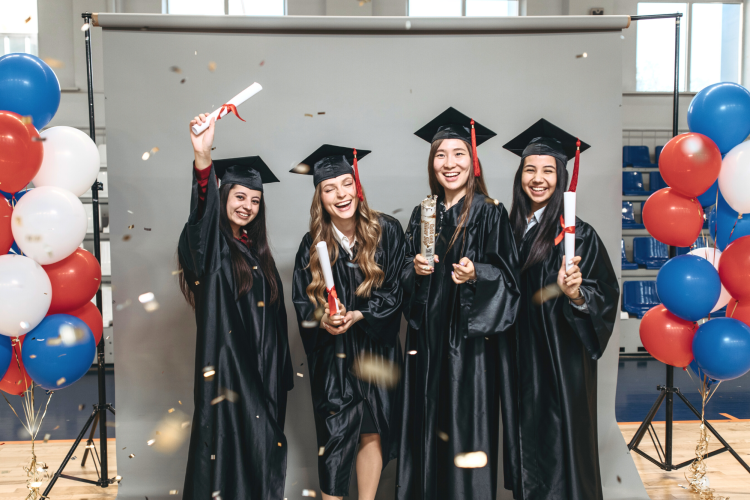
{"x":100,"y":410}
{"x":667,"y":392}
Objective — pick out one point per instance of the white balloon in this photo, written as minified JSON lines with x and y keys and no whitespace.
{"x":713,"y":255}
{"x":734,"y":178}
{"x":48,"y":224}
{"x":25,"y":295}
{"x":71,"y":160}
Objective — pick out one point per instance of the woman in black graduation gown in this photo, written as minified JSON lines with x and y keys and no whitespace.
{"x":242,"y":365}
{"x":563,"y":325}
{"x":353,"y":357}
{"x":459,"y":367}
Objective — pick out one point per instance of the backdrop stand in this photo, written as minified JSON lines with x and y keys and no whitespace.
{"x":664,"y":453}
{"x":99,"y":415}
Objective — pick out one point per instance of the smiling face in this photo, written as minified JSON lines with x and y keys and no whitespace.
{"x":242,"y":206}
{"x":539,"y":179}
{"x":452,"y":164}
{"x":339,"y":197}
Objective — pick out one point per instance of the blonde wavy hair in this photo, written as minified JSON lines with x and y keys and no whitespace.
{"x":367,"y":233}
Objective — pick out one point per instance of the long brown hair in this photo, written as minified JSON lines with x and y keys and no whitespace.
{"x":367,"y":232}
{"x":241,"y":271}
{"x":473,"y":185}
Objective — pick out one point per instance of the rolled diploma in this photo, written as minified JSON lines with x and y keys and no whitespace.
{"x":236,"y":100}
{"x":428,"y":230}
{"x":325,"y":266}
{"x":570,"y":221}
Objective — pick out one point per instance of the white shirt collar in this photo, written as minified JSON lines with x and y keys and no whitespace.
{"x":535,"y":219}
{"x":343,"y":240}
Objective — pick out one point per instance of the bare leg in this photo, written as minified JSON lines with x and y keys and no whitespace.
{"x":329,"y":497}
{"x":369,"y":466}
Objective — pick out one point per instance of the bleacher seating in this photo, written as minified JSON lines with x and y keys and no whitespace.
{"x":638,"y":297}
{"x":632,"y":184}
{"x":626,"y":264}
{"x":636,"y":156}
{"x":650,"y":253}
{"x":628,"y":218}
{"x":699,"y":243}
{"x":721,"y":313}
{"x":656,"y":182}
{"x":657,"y":153}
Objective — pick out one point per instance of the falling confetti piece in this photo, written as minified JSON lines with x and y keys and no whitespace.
{"x":185,"y":425}
{"x":408,"y":25}
{"x":38,"y":139}
{"x":321,"y":451}
{"x":353,"y":265}
{"x":261,"y":304}
{"x":175,"y":273}
{"x":126,"y":237}
{"x":584,"y":55}
{"x":132,"y":455}
{"x":546,"y":293}
{"x":147,"y":229}
{"x":179,"y":402}
{"x":197,"y":283}
{"x":262,"y":62}
{"x":255,"y":267}
{"x":170,"y":410}
{"x":183,"y":80}
{"x":125,"y":304}
{"x":146,"y":297}
{"x":279,"y":445}
{"x":377,"y":370}
{"x":442,"y":435}
{"x":212,"y":66}
{"x":308,"y":114}
{"x":130,"y":212}
{"x":150,"y":442}
{"x":398,"y":210}
{"x":340,"y":355}
{"x":27,"y":20}
{"x":321,"y":112}
{"x":151,"y":306}
{"x":309,"y":324}
{"x":209,"y":372}
{"x":215,"y":494}
{"x":471,"y":460}
{"x":27,"y":120}
{"x":229,"y":395}
{"x":56,"y":427}
{"x":218,"y":399}
{"x":154,"y":150}
{"x":492,"y":200}
{"x":145,"y":156}
{"x":81,"y":407}
{"x":176,"y":69}
{"x":309,"y":493}
{"x":300,"y":375}
{"x":85,"y":27}
{"x":213,"y":457}
{"x":301,"y":168}
{"x":46,"y":437}
{"x":172,"y":492}
{"x":61,"y":381}
{"x":412,"y":352}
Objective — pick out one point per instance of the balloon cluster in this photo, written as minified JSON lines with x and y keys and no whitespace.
{"x":49,"y":328}
{"x":710,"y":165}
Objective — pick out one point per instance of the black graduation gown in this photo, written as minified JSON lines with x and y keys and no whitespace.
{"x":461,"y":378}
{"x":557,"y":351}
{"x":339,"y":398}
{"x":237,"y":446}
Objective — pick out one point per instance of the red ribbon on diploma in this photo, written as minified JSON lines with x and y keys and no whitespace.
{"x":332,"y":298}
{"x":569,"y":230}
{"x":229,"y":108}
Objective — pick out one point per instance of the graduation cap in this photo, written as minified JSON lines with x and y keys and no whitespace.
{"x":329,"y":161}
{"x":452,"y":124}
{"x":248,"y":171}
{"x":544,"y":138}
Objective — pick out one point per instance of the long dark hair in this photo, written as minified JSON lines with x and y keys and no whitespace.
{"x":256,"y":235}
{"x":549,"y":227}
{"x":473,"y":185}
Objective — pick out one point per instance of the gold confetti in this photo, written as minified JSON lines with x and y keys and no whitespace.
{"x":261,"y":304}
{"x":279,"y":445}
{"x":85,"y":27}
{"x":175,"y":273}
{"x":255,"y":268}
{"x":172,"y":492}
{"x":146,"y":297}
{"x":212,"y":66}
{"x":309,"y":493}
{"x":150,"y":442}
{"x":57,"y":427}
{"x":341,"y":355}
{"x":154,"y":150}
{"x":61,"y":381}
{"x":213,"y":457}
{"x":546,"y":293}
{"x":442,"y":435}
{"x":300,"y":375}
{"x":308,"y":114}
{"x":471,"y":460}
{"x":126,"y":237}
{"x":584,"y":55}
{"x":412,"y":352}
{"x":321,"y":451}
{"x":218,"y":399}
{"x":132,"y":455}
{"x":46,"y":437}
{"x":185,"y":425}
{"x":27,"y":120}
{"x":151,"y":306}
{"x":197,"y":283}
{"x":81,"y":407}
{"x":27,"y":20}
{"x":53,"y":63}
{"x":321,"y":112}
{"x":229,"y":395}
{"x":309,"y":324}
{"x":377,"y":370}
{"x":176,"y":69}
{"x":302,"y":168}
{"x":145,"y":156}
{"x":209,"y":372}
{"x":170,"y":410}
{"x":33,"y":356}
{"x":179,"y":402}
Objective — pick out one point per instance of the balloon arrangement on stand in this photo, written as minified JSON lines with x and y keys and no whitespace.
{"x":49,"y":328}
{"x":710,"y":165}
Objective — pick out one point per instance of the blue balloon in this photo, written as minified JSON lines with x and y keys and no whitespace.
{"x":688,"y":286}
{"x":722,"y":348}
{"x":29,"y":87}
{"x":722,"y":112}
{"x":709,"y":197}
{"x":724,"y":219}
{"x":6,"y":354}
{"x":58,"y":352}
{"x":699,"y":373}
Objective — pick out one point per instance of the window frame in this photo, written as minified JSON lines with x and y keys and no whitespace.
{"x":165,"y":7}
{"x":463,"y":8}
{"x":686,"y":23}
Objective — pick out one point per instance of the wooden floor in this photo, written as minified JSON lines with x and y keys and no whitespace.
{"x":15,"y":455}
{"x":727,"y":476}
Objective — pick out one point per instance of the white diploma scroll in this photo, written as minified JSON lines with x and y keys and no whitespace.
{"x":223,"y":110}
{"x":325,"y":266}
{"x":570,"y":221}
{"x":428,"y":229}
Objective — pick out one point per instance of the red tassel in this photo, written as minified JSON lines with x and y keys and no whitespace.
{"x":574,"y":177}
{"x":356,"y":178}
{"x":474,"y":150}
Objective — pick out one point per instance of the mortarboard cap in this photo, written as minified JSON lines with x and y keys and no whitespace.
{"x":248,"y":171}
{"x":330,"y":161}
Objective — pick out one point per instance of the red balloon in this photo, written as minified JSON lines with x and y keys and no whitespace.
{"x":667,"y":337}
{"x":673,"y":218}
{"x":75,"y":280}
{"x":690,"y":164}
{"x":15,"y":381}
{"x":734,"y":268}
{"x":740,"y":311}
{"x":6,"y":236}
{"x":20,"y":155}
{"x":90,"y":315}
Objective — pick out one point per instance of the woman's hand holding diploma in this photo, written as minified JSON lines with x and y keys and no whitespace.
{"x":422,"y":267}
{"x":202,"y":143}
{"x":341,"y":321}
{"x":570,"y":281}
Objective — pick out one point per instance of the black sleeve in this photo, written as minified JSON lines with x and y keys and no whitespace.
{"x":201,"y":238}
{"x":304,"y":308}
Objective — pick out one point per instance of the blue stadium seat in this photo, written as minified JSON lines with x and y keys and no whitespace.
{"x":656,"y":182}
{"x":636,"y":156}
{"x":699,"y":243}
{"x":626,"y":264}
{"x":628,"y":218}
{"x":638,"y":297}
{"x":632,"y":184}
{"x":721,"y":313}
{"x":649,"y":252}
{"x":657,"y":153}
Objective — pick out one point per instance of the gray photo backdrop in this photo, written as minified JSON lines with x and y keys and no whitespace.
{"x":375,"y":89}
